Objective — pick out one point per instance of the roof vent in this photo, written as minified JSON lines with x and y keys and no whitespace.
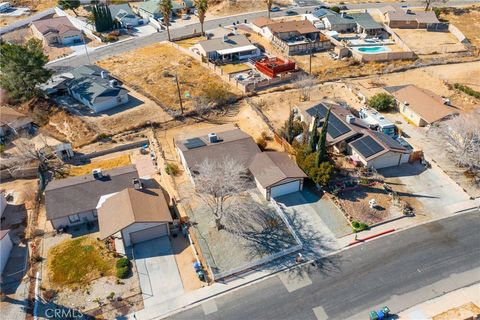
{"x":97,"y":173}
{"x":137,"y":184}
{"x":113,"y":83}
{"x":405,"y":103}
{"x":104,"y":74}
{"x":350,"y":118}
{"x":212,"y":137}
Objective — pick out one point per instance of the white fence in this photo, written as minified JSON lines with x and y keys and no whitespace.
{"x":27,"y":21}
{"x":271,"y":257}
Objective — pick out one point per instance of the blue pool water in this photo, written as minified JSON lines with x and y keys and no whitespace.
{"x":371,"y":49}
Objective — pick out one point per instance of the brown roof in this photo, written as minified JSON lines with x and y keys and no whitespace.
{"x":233,"y":143}
{"x":262,"y":21}
{"x":419,"y":16}
{"x":302,"y":27}
{"x":130,"y":206}
{"x":424,"y":103}
{"x":272,"y":167}
{"x":9,"y":116}
{"x":58,"y":25}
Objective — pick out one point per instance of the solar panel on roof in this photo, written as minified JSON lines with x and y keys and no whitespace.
{"x":336,"y":128}
{"x":317,"y":109}
{"x":367,"y":147}
{"x":194,"y":143}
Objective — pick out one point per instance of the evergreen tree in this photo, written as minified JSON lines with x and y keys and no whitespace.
{"x":96,"y":17}
{"x":290,"y":132}
{"x":322,"y":142}
{"x":109,"y":18}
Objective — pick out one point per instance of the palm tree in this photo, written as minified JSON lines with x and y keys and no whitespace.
{"x":269,"y":6}
{"x":202,"y":7}
{"x":166,"y":7}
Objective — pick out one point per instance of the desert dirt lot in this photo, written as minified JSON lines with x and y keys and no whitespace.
{"x":467,"y":22}
{"x":220,"y":8}
{"x":153,"y":69}
{"x":424,"y":42}
{"x":434,"y":78}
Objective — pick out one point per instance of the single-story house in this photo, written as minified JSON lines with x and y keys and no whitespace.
{"x":12,"y":121}
{"x":353,"y":22}
{"x":276,"y":174}
{"x":420,"y":106}
{"x":342,"y":128}
{"x":92,"y":86}
{"x":150,"y":9}
{"x":6,"y":245}
{"x":227,"y":48}
{"x":133,"y":215}
{"x":378,"y":150}
{"x":74,"y":200}
{"x":124,"y":14}
{"x":258,"y":24}
{"x":215,"y":143}
{"x":403,"y":18}
{"x":296,"y":37}
{"x":56,"y":31}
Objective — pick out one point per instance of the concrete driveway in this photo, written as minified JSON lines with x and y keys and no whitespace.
{"x":157,"y":270}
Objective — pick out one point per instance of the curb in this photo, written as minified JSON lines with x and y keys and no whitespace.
{"x":370,"y":237}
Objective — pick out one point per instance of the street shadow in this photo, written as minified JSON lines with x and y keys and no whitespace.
{"x":15,"y":269}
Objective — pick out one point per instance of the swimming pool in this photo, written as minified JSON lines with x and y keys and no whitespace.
{"x":372,"y":49}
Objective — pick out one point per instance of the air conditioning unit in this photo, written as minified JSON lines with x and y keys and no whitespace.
{"x":212,"y":137}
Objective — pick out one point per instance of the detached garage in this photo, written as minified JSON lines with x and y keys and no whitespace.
{"x":133,"y":215}
{"x":276,"y":174}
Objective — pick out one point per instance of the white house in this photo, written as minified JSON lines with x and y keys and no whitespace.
{"x":378,"y":150}
{"x":124,"y":14}
{"x":227,"y":48}
{"x":93,"y":87}
{"x":276,"y":174}
{"x":134,"y":215}
{"x":6,"y":245}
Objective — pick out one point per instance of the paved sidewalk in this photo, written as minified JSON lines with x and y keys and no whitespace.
{"x":434,"y":307}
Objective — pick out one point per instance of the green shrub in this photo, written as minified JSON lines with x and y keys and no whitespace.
{"x":123,"y":272}
{"x":381,"y":102}
{"x":171,"y":169}
{"x":335,"y":9}
{"x":322,"y":174}
{"x":111,"y":295}
{"x":2,"y":148}
{"x":467,"y":90}
{"x":359,"y":226}
{"x":122,"y":262}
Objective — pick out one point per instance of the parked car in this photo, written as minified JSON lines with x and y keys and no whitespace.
{"x":343,"y":7}
{"x":275,"y":9}
{"x":291,"y":13}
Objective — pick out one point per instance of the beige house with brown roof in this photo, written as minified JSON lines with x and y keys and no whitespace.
{"x":276,"y":174}
{"x":133,"y":215}
{"x":56,"y":31}
{"x":396,"y":17}
{"x":420,"y":106}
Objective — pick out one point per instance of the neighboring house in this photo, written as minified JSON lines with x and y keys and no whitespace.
{"x":150,"y":8}
{"x":56,"y":31}
{"x":276,"y":174}
{"x":274,"y":67}
{"x":124,"y":14}
{"x":403,"y":18}
{"x":93,"y":87}
{"x":134,"y":215}
{"x":378,"y":150}
{"x":215,"y":144}
{"x":296,"y":37}
{"x":342,"y":127}
{"x":6,"y":245}
{"x":12,"y":121}
{"x":227,"y":48}
{"x":419,"y":106}
{"x":353,"y":22}
{"x":258,"y":24}
{"x":74,"y":200}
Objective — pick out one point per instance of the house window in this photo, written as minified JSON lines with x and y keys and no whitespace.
{"x":74,"y":218}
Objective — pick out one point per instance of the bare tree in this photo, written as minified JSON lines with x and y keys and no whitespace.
{"x":221,"y":185}
{"x":428,"y":3}
{"x":202,"y":106}
{"x":305,"y":84}
{"x":461,"y":140}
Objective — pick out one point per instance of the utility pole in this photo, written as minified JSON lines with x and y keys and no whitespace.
{"x":179,"y":94}
{"x":86,"y":49}
{"x":310,"y":63}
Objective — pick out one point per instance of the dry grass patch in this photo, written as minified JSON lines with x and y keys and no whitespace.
{"x":120,"y":161}
{"x":187,"y":43}
{"x":467,"y":22}
{"x":75,"y":263}
{"x":234,"y":68}
{"x":153,"y":69}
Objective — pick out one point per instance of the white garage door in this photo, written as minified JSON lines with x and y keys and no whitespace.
{"x":148,"y":234}
{"x":286,"y":188}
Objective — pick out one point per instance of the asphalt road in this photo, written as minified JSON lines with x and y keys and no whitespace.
{"x":399,"y":270}
{"x":134,"y":43}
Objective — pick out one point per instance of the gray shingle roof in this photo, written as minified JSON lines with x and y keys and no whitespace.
{"x":270,"y":168}
{"x":88,"y":83}
{"x":123,"y":8}
{"x":365,"y":20}
{"x":219,"y":44}
{"x":69,"y":196}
